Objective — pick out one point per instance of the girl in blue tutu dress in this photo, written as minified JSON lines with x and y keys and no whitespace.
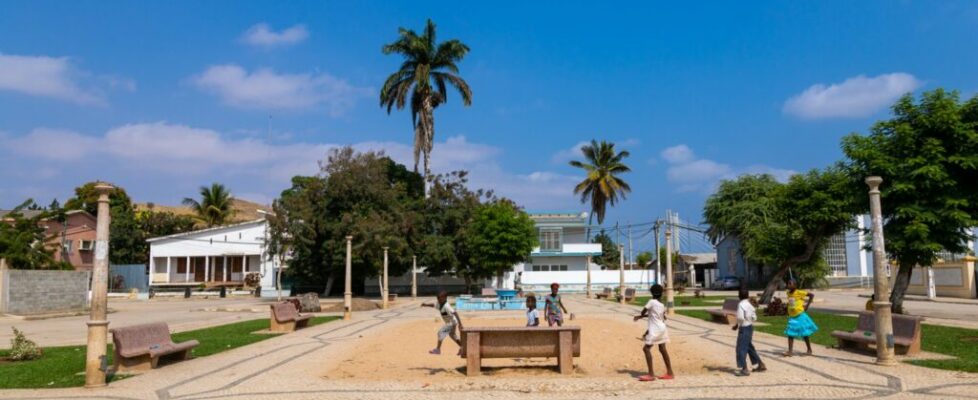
{"x":800,"y":325}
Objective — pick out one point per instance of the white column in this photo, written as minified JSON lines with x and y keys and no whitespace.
{"x":224,"y":265}
{"x":167,"y":269}
{"x":207,"y":269}
{"x":931,"y":289}
{"x":244,"y":266}
{"x":186,"y":272}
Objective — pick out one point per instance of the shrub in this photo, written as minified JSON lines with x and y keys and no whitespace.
{"x":776,"y":307}
{"x":22,"y":348}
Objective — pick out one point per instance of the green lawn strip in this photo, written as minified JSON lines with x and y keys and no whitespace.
{"x":61,"y":366}
{"x":706,"y":301}
{"x":952,"y":341}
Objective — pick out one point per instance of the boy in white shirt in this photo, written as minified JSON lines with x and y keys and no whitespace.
{"x":452,"y":322}
{"x":657,"y":333}
{"x":746,"y":316}
{"x":532,"y":315}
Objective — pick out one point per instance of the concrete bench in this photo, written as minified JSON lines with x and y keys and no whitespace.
{"x":285,"y":318}
{"x":138,"y":348}
{"x":564,"y":343}
{"x":906,"y":333}
{"x":629,"y":295}
{"x":727,"y":314}
{"x":605,"y":294}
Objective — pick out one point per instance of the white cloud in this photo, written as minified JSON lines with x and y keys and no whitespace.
{"x":262,"y":35}
{"x":859,"y":96}
{"x":52,"y":77}
{"x":266,"y":89}
{"x":162,"y":162}
{"x":692,"y":174}
{"x":566,"y":155}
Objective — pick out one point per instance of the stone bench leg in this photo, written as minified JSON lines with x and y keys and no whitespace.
{"x":134,"y":365}
{"x":276,"y":326}
{"x":473,"y":356}
{"x":566,"y":347}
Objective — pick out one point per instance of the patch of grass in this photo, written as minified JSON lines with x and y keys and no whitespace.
{"x":61,"y":366}
{"x":706,"y":301}
{"x":952,"y":341}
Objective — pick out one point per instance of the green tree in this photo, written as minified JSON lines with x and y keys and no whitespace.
{"x":448,"y":212}
{"x":644,"y":259}
{"x":23,"y":240}
{"x":126,"y":245}
{"x":214,"y":207}
{"x":603,"y":185}
{"x":500,"y":236}
{"x":785,"y":226}
{"x":609,"y":258}
{"x":927,"y":155}
{"x":428,"y":69}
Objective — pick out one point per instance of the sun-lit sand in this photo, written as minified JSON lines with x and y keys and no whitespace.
{"x":610,"y":348}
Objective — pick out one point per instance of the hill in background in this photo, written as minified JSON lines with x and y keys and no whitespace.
{"x":244,"y":210}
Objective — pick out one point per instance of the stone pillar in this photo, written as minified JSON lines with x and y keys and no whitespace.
{"x":207,"y":269}
{"x":386,"y":291}
{"x":587,"y":262}
{"x":414,"y":277}
{"x":931,"y":288}
{"x":348,"y":281}
{"x":670,"y":299}
{"x":621,"y":274}
{"x":98,"y":325}
{"x":881,"y":306}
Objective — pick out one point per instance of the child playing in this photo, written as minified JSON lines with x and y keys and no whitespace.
{"x":746,"y":315}
{"x":554,"y":307}
{"x":657,"y":333}
{"x":800,"y":325}
{"x":452,"y":321}
{"x":532,"y":315}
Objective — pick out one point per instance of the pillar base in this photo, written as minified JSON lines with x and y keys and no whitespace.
{"x":347,"y":315}
{"x":887,"y":363}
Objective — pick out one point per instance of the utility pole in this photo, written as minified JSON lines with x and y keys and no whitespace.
{"x":658,"y":262}
{"x":348,"y":281}
{"x":670,"y":300}
{"x":881,"y":306}
{"x":587,"y":261}
{"x":631,"y":261}
{"x":98,"y":324}
{"x":621,"y":274}
{"x":414,"y":277}
{"x":386,"y":291}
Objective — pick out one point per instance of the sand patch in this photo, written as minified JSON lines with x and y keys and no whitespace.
{"x":357,"y":304}
{"x":609,"y":348}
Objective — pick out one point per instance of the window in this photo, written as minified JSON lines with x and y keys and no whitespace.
{"x":86,"y":245}
{"x":550,"y":239}
{"x":563,"y":268}
{"x":835,"y":255}
{"x":536,"y":268}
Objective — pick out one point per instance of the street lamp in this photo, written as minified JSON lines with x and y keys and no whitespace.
{"x":670,"y":299}
{"x":881,"y":305}
{"x":621,"y":273}
{"x":348,"y":290}
{"x":386,"y":291}
{"x":98,"y":325}
{"x":281,"y":257}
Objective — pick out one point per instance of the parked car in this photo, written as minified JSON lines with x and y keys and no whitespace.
{"x":727,"y":282}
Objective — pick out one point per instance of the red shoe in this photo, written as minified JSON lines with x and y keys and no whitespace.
{"x":646,"y":378}
{"x":666,"y":376}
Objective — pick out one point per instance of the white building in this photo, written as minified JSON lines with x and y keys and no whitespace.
{"x":563,"y":256}
{"x":219,"y":256}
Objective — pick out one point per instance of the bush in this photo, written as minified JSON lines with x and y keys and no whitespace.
{"x":776,"y":307}
{"x":23,"y":349}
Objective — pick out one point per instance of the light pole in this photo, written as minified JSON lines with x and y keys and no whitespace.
{"x":621,"y":273}
{"x":348,"y":281}
{"x":414,"y":277}
{"x":98,"y":325}
{"x":587,"y":262}
{"x":881,"y":306}
{"x":670,"y":300}
{"x":387,"y":289}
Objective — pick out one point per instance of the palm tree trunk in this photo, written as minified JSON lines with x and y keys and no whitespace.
{"x":428,"y":127}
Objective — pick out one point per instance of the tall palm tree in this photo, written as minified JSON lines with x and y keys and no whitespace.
{"x":429,"y":68}
{"x":602,"y":184}
{"x":214,"y":207}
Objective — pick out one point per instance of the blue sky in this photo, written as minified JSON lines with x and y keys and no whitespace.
{"x":162,"y":97}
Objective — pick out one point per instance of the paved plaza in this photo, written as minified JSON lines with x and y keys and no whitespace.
{"x":294,"y":366}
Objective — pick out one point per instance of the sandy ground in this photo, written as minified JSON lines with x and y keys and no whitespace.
{"x":609,"y":348}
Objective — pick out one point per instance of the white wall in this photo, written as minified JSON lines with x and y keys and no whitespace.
{"x":576,"y":281}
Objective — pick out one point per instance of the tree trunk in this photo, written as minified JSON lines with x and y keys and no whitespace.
{"x":427,"y":124}
{"x":499,"y":278}
{"x":772,"y":286}
{"x":900,"y":287}
{"x":468,"y":283}
{"x":329,"y":285}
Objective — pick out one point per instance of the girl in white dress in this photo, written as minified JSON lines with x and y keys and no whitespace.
{"x":657,"y":334}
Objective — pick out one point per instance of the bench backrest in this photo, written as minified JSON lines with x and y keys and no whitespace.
{"x":904,"y":326}
{"x":730,"y":304}
{"x":506,"y":342}
{"x":607,"y":290}
{"x":630,"y":293}
{"x":284,"y":311}
{"x":143,"y":336}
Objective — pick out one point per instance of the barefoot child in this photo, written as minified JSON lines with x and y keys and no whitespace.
{"x":800,"y":325}
{"x":554,"y":307}
{"x":657,"y":333}
{"x":532,"y":315}
{"x":452,"y":321}
{"x":746,"y":316}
